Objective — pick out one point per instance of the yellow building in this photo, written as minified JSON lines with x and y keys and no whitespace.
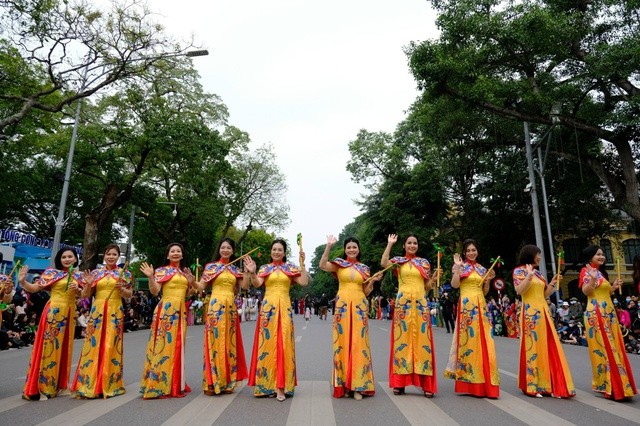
{"x":622,"y":247}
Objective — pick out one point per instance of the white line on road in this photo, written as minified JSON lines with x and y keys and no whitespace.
{"x":298,"y":339}
{"x":383,"y":329}
{"x":612,"y":407}
{"x":526,"y":412}
{"x":12,"y":402}
{"x":417,"y":411}
{"x":312,"y":405}
{"x":600,"y":403}
{"x":94,"y":408}
{"x":203,"y":410}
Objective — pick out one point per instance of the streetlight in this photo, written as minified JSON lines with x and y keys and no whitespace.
{"x":531,"y":188}
{"x":60,"y":221}
{"x":175,"y":206}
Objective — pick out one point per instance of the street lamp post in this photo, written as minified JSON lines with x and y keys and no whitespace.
{"x":60,"y":221}
{"x":534,"y":200}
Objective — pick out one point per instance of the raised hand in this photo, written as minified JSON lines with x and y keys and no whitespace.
{"x":457,"y":260}
{"x":22,"y":273}
{"x":147,"y":269}
{"x":331,"y":240}
{"x":529,"y":268}
{"x":302,"y":256}
{"x":249,"y":265}
{"x":189,"y":276}
{"x":88,"y":277}
{"x":392,"y":239}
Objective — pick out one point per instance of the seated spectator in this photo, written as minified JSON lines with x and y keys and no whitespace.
{"x":623,"y":314}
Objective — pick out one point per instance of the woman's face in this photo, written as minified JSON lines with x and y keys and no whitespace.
{"x":111,"y":257}
{"x":277,"y":252}
{"x":68,"y":258}
{"x":599,"y":258}
{"x":352,"y":250}
{"x":411,"y":245}
{"x":471,"y":253}
{"x":175,"y":254}
{"x":226,"y":250}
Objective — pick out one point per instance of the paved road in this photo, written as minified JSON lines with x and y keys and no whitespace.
{"x":312,"y":404}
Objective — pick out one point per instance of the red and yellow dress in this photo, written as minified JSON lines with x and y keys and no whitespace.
{"x":99,"y":372}
{"x":612,"y":373}
{"x":352,"y":367}
{"x":413,"y":359}
{"x":543,"y":366}
{"x":273,"y":361}
{"x":224,"y":363}
{"x":163,"y":373}
{"x":50,"y":363}
{"x":472,"y":358}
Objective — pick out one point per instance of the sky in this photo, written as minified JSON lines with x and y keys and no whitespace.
{"x":306,"y":77}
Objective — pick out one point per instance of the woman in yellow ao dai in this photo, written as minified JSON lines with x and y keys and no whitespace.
{"x":273,"y":361}
{"x":472,"y":358}
{"x":224,"y":361}
{"x":412,"y":359}
{"x":50,"y":363}
{"x":100,"y":371}
{"x":543,"y":366}
{"x":352,"y":365}
{"x":163,"y":372}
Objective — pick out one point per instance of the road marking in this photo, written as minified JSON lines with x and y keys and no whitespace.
{"x":312,"y":405}
{"x":298,"y":338}
{"x":203,"y":410}
{"x":508,"y":373}
{"x":383,"y":329}
{"x":612,"y":407}
{"x":416,"y":408}
{"x":600,"y":403}
{"x":526,"y":412}
{"x":94,"y":408}
{"x":12,"y":402}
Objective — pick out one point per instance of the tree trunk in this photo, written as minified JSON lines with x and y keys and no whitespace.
{"x":95,"y":221}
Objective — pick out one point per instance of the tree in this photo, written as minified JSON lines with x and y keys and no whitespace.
{"x":57,"y":52}
{"x":254,"y":191}
{"x":569,"y":64}
{"x":158,"y":132}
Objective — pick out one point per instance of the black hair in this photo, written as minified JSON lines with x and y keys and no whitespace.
{"x":183,"y":262}
{"x":58,"y":258}
{"x":409,"y":236}
{"x":284,"y":246}
{"x":465,"y":244}
{"x":586,"y":256}
{"x":528,"y":254}
{"x":344,"y":246}
{"x":232,"y":243}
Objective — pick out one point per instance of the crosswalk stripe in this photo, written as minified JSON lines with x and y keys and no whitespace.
{"x":203,"y":410}
{"x":417,"y":410}
{"x":525,"y":411}
{"x":600,"y":403}
{"x":12,"y":402}
{"x":612,"y":407}
{"x":93,"y":408}
{"x":312,"y":405}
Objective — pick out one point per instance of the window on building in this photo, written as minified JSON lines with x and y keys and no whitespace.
{"x":572,"y":248}
{"x":606,"y":248}
{"x":631,"y":248}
